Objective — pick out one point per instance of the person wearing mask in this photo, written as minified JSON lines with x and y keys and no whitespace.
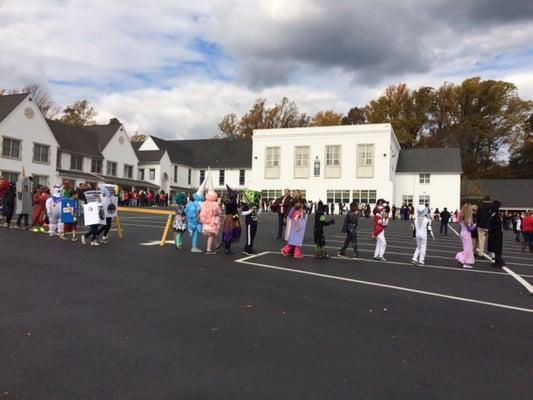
{"x":444,"y":221}
{"x":483,"y":216}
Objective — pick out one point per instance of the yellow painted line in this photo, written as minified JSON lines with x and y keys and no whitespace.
{"x":137,"y":210}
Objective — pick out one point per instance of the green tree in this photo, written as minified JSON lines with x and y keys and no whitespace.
{"x":355,"y":116}
{"x":79,"y":113}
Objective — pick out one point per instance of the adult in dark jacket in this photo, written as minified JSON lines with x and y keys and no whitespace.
{"x":495,"y":242}
{"x":444,"y":220}
{"x":483,"y":215}
{"x":282,"y":206}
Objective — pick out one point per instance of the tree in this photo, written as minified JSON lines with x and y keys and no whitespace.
{"x":79,"y":113}
{"x":137,"y":137}
{"x":282,"y":115}
{"x":355,"y":116}
{"x":326,"y":118}
{"x":42,"y":98}
{"x":521,"y":162}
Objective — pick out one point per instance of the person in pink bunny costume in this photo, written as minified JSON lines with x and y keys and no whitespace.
{"x":210,"y":213}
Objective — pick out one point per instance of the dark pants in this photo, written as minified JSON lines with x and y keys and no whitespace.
{"x":250,"y":237}
{"x":444,"y":227}
{"x":281,"y":218}
{"x":93,"y":231}
{"x":498,"y":260}
{"x":528,"y":240}
{"x":19,"y":219}
{"x":351,"y":238}
{"x":105,"y":228}
{"x":9,"y":215}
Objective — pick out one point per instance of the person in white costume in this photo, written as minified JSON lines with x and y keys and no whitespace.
{"x":421,"y":229}
{"x":53,"y":210}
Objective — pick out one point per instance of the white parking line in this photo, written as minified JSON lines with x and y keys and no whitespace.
{"x":521,"y":280}
{"x":381,"y":285}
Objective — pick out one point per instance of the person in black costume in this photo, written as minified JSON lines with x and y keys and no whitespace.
{"x":350,"y":229}
{"x":320,"y":223}
{"x":495,"y":242}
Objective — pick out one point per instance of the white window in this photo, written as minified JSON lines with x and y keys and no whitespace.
{"x":41,"y":153}
{"x":407,"y":200}
{"x":96,"y":165}
{"x":40,"y":180}
{"x":272,"y":163}
{"x":333,"y":162}
{"x":10,"y":176}
{"x":151,"y":174}
{"x":111,"y":169}
{"x":301,"y":161}
{"x":338,"y":196}
{"x":365,"y":161}
{"x":11,"y":148}
{"x":424,"y":178}
{"x":269,"y":195}
{"x":76,"y":162}
{"x":242,"y":175}
{"x":221,"y":177}
{"x":128,"y":171}
{"x":141,"y":174}
{"x":423,"y":200}
{"x":364,"y":196}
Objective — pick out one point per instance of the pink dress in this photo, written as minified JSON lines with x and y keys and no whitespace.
{"x":210,"y":217}
{"x":467,"y":255}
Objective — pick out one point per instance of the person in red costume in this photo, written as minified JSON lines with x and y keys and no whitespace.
{"x":39,"y":209}
{"x":380,"y":223}
{"x":4,"y":185}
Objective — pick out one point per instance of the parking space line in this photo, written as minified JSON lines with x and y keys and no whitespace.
{"x":247,"y":261}
{"x":521,"y":280}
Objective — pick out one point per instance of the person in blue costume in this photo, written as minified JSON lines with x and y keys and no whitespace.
{"x":192,"y":210}
{"x":180,"y":221}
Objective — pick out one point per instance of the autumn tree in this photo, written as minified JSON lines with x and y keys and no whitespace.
{"x":326,"y":118}
{"x":42,"y":98}
{"x":79,"y":113}
{"x":355,"y":116}
{"x":137,"y":137}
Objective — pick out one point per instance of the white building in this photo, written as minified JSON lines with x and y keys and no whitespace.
{"x":339,"y":164}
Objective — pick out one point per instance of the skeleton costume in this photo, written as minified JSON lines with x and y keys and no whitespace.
{"x":53,"y":209}
{"x":421,"y":229}
{"x":180,"y":221}
{"x":250,"y":210}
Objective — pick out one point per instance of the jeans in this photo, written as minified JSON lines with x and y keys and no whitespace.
{"x":444,"y":227}
{"x":19,"y":219}
{"x":528,"y":240}
{"x":351,"y":238}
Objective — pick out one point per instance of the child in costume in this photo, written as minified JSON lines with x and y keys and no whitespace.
{"x":53,"y":209}
{"x":69,"y":214}
{"x":210,"y":213}
{"x":296,"y":220}
{"x":39,"y":209}
{"x":250,"y":210}
{"x":92,"y":214}
{"x":180,"y":221}
{"x":421,"y":229}
{"x":232,"y":222}
{"x":380,"y":223}
{"x":349,"y":227}
{"x":109,"y":206}
{"x":318,"y":231}
{"x":192,"y":210}
{"x":24,"y":201}
{"x":9,"y":204}
{"x":466,"y":220}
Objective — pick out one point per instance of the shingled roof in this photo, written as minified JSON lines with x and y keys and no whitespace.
{"x":512,"y":193}
{"x":9,"y":102}
{"x":430,"y":160}
{"x":201,"y":153}
{"x":75,"y":139}
{"x":104,"y":133}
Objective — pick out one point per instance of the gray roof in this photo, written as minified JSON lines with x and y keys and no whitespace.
{"x":104,"y":133}
{"x":512,"y":193}
{"x":430,"y":160}
{"x":201,"y":153}
{"x":75,"y":139}
{"x":9,"y":102}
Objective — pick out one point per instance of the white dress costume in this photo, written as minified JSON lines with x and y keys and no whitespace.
{"x":421,"y":228}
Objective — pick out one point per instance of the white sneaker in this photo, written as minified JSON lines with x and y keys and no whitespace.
{"x":95,"y":243}
{"x":83,"y":239}
{"x":196,"y":250}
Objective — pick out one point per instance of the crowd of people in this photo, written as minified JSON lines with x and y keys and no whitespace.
{"x":57,"y":211}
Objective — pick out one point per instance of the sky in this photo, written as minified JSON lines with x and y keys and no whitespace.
{"x":174,"y":68}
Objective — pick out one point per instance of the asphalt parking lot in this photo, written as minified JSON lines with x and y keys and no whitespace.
{"x":132,"y":320}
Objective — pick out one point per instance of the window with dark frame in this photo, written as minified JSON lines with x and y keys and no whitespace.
{"x":189,"y":176}
{"x":76,"y":162}
{"x":111,"y":169}
{"x":202,"y":175}
{"x":151,"y":171}
{"x":175,"y":174}
{"x":11,"y":147}
{"x":141,"y":174}
{"x":221,"y":177}
{"x":41,"y":153}
{"x":96,"y":165}
{"x":128,"y":171}
{"x":242,"y":177}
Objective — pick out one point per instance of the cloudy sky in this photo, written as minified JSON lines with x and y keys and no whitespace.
{"x":173,"y":68}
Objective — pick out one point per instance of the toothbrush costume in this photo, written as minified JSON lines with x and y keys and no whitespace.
{"x":180,"y":221}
